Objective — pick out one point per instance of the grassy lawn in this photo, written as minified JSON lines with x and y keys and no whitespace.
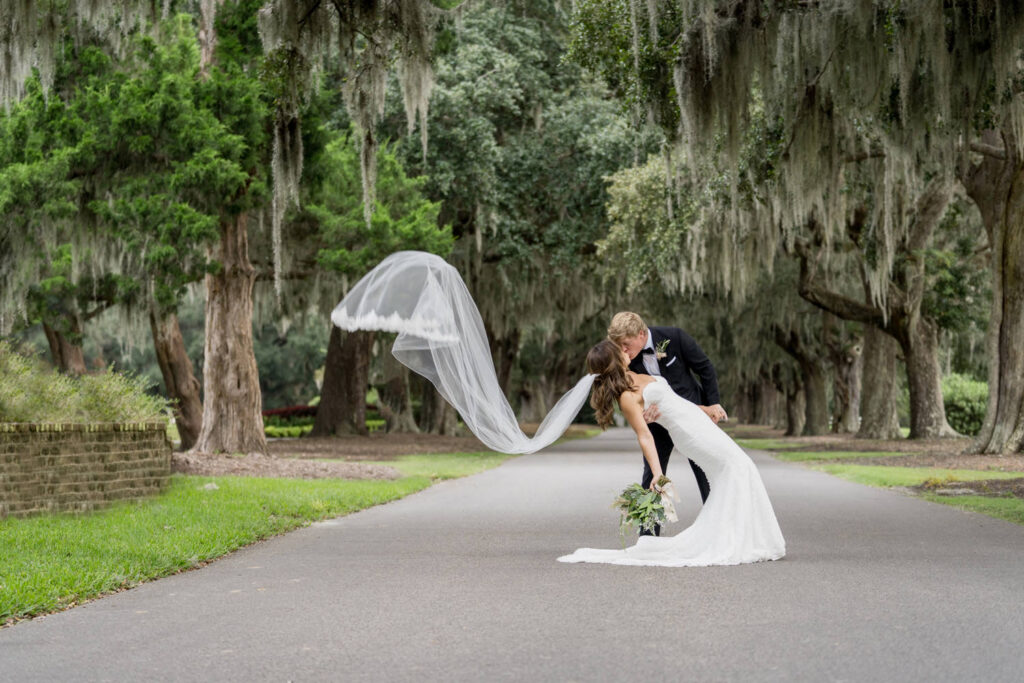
{"x":52,"y":562}
{"x":1010,"y":509}
{"x":805,"y":456}
{"x":910,"y":476}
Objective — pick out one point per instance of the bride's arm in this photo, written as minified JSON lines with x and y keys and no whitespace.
{"x":629,"y":402}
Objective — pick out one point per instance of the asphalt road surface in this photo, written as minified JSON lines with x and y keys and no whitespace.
{"x":460,"y":583}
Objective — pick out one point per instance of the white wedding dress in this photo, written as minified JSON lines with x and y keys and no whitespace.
{"x":737,"y":524}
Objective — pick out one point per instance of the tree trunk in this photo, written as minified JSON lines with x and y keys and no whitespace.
{"x":232,"y":417}
{"x":505,"y":351}
{"x":342,"y":408}
{"x":812,"y":377}
{"x":766,"y":402}
{"x":67,"y":356}
{"x":395,"y":401}
{"x":816,"y":396}
{"x":436,"y":416}
{"x":879,"y":418}
{"x":996,"y":185}
{"x":533,"y":404}
{"x":743,"y":410}
{"x":845,"y":355}
{"x":182,"y":385}
{"x":763,"y":402}
{"x":796,"y":410}
{"x":919,"y":339}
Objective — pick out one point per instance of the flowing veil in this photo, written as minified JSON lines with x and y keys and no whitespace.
{"x":441,"y":337}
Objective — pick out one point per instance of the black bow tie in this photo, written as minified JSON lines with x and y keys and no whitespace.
{"x":647,"y":351}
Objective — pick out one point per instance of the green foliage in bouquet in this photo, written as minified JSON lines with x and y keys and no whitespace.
{"x":639,"y":507}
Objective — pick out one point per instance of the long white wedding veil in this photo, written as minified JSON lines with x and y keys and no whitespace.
{"x":441,"y":337}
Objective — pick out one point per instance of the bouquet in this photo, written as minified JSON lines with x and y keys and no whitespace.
{"x":645,"y":508}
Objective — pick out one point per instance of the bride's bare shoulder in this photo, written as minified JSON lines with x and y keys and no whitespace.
{"x":638,"y":382}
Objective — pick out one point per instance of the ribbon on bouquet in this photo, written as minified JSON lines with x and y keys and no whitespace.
{"x":668,"y":494}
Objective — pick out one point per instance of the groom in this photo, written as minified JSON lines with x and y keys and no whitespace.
{"x":673,"y":354}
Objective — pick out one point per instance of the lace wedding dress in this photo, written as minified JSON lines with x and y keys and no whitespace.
{"x":737,"y":523}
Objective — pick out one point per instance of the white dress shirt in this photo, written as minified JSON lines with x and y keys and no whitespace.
{"x":650,"y":359}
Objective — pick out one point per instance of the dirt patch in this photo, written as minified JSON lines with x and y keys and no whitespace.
{"x":955,"y":461}
{"x":373,"y":447}
{"x":272,"y":466}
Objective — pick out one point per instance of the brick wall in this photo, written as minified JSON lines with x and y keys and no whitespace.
{"x":77,"y":467}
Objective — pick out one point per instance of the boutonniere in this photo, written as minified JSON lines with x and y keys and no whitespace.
{"x":660,"y":349}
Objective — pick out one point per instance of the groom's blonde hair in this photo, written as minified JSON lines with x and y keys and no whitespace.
{"x":624,"y":325}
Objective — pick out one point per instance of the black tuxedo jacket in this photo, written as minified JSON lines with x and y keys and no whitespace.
{"x":683,"y":359}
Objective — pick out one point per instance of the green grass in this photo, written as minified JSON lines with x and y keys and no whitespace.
{"x":804,"y":456}
{"x":766,"y":444}
{"x":877,"y":475}
{"x":52,"y":562}
{"x":1010,"y":509}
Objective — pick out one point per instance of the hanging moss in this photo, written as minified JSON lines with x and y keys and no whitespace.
{"x":877,"y":95}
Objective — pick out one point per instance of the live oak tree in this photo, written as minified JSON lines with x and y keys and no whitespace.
{"x":296,"y":36}
{"x":922,"y":87}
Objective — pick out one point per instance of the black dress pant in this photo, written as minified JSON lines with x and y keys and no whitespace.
{"x":663,"y":442}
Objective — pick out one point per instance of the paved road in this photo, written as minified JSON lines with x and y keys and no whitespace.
{"x":460,"y":582}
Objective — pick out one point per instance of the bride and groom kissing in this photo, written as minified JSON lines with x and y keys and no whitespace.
{"x":649,"y":372}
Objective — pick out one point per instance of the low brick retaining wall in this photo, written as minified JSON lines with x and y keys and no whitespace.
{"x":78,"y":467}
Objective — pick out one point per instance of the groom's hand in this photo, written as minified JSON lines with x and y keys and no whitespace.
{"x":651,"y":414}
{"x":716,"y":413}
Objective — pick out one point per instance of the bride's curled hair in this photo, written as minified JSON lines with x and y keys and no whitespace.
{"x":605,"y":361}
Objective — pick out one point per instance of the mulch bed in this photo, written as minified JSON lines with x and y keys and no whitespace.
{"x":271,"y":466}
{"x":303,"y":458}
{"x":376,"y":446}
{"x":995,"y":488}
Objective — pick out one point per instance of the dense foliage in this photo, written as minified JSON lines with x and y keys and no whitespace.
{"x":30,"y":391}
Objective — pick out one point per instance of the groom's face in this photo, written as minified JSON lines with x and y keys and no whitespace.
{"x":633,"y":345}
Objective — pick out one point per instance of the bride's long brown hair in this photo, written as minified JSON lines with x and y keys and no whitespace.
{"x":605,"y":360}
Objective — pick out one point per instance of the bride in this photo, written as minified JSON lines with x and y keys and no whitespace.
{"x":736,"y":524}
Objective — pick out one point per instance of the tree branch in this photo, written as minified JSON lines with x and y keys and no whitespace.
{"x":928,"y":210}
{"x":837,"y":304}
{"x":985,"y":149}
{"x":864,"y":156}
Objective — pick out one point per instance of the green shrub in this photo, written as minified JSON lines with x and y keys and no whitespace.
{"x":966,"y":401}
{"x":292,"y":431}
{"x":277,"y":421}
{"x":32,"y":392}
{"x":276,"y":432}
